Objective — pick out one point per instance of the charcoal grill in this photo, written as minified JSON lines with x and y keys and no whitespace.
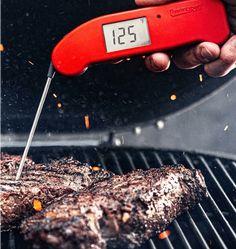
{"x":113,"y":100}
{"x":209,"y":225}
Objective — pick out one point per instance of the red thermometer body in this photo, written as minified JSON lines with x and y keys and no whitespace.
{"x":139,"y":32}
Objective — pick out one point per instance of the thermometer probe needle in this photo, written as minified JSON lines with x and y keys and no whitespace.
{"x":50,"y":75}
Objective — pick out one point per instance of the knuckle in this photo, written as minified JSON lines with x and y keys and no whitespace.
{"x":207,"y":52}
{"x":203,"y":52}
{"x":138,"y":2}
{"x":228,"y":52}
{"x":197,"y":55}
{"x":228,"y":58}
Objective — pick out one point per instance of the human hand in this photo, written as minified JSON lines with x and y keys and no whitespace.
{"x":217,"y":61}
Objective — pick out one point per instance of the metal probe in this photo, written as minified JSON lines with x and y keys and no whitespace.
{"x":50,"y":76}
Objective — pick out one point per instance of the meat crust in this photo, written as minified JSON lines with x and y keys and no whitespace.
{"x":123,"y":211}
{"x":40,"y":182}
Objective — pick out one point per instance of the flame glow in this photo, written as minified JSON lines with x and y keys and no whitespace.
{"x":1,"y":47}
{"x":173,"y":97}
{"x":96,"y":168}
{"x":59,"y":105}
{"x":86,"y":121}
{"x":164,"y":234}
{"x":37,"y":205}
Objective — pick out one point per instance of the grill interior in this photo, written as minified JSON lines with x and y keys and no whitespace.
{"x":210,"y":224}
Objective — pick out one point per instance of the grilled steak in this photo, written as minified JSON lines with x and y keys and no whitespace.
{"x":123,"y":211}
{"x":40,"y":183}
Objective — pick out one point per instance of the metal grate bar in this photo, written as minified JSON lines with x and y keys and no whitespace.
{"x":157,"y":157}
{"x":217,"y":237}
{"x":120,"y":171}
{"x":190,"y":219}
{"x":175,"y":223}
{"x":131,"y":162}
{"x":226,"y":173}
{"x":234,"y":164}
{"x":86,"y":157}
{"x":151,"y":244}
{"x":12,"y":244}
{"x":172,"y":157}
{"x":222,"y":219}
{"x":197,"y":232}
{"x":181,"y":234}
{"x":44,"y":158}
{"x":168,"y":243}
{"x":234,"y":167}
{"x":217,"y":184}
{"x":100,"y":157}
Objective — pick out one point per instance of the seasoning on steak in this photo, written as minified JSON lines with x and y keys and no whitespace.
{"x":42,"y":183}
{"x":9,"y":163}
{"x":121,"y":212}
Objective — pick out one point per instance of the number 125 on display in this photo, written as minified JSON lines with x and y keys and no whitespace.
{"x":126,"y":34}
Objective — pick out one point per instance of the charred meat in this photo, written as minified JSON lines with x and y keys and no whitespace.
{"x":40,"y":184}
{"x":123,"y":211}
{"x":9,"y":163}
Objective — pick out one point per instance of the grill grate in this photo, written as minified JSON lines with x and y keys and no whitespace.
{"x":210,"y":224}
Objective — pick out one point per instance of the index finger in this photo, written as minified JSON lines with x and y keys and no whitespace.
{"x":151,"y":2}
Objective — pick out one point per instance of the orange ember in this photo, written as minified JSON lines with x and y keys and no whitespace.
{"x":1,"y":47}
{"x":164,"y":234}
{"x":96,"y":168}
{"x":86,"y":121}
{"x":59,"y":105}
{"x":173,"y":97}
{"x":37,"y":205}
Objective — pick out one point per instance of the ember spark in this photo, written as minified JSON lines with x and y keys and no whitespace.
{"x":173,"y":97}
{"x":37,"y":205}
{"x":1,"y":47}
{"x":200,"y":77}
{"x":86,"y":121}
{"x":164,"y":234}
{"x":96,"y":168}
{"x":59,"y":105}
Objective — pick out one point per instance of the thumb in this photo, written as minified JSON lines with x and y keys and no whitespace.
{"x":151,"y":2}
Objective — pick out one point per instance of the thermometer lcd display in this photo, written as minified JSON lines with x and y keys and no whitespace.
{"x":127,"y":34}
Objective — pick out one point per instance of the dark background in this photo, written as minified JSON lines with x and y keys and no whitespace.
{"x":116,"y":97}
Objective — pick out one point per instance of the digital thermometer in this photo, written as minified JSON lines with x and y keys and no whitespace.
{"x":139,"y":32}
{"x":131,"y":33}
